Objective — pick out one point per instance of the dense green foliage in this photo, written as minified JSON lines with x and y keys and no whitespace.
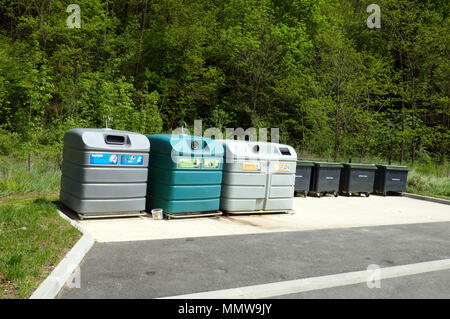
{"x":312,"y":68}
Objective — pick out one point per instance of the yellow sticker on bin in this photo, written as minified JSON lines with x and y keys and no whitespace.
{"x":251,"y":166}
{"x":283,"y":167}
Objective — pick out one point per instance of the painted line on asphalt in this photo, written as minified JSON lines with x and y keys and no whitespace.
{"x":316,"y":283}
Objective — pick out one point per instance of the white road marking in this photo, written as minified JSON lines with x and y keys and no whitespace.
{"x":315,"y":283}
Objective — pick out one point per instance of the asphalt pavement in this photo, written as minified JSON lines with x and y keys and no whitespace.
{"x":170,"y":267}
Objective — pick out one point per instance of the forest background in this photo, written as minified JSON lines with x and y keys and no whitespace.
{"x":335,"y":88}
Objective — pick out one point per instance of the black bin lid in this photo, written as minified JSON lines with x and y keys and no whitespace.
{"x":305,"y":164}
{"x":359,"y":165}
{"x":394,"y":167}
{"x":329,"y":164}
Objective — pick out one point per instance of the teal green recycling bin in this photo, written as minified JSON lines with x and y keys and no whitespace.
{"x":185,"y":173}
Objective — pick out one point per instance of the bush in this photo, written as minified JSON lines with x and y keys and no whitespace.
{"x":8,"y":142}
{"x":428,"y":184}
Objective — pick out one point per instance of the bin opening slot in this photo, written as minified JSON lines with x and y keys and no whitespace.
{"x":115,"y":139}
{"x":285,"y":151}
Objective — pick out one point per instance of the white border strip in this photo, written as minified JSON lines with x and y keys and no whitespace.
{"x":427,"y":198}
{"x":314,"y":283}
{"x":51,"y":286}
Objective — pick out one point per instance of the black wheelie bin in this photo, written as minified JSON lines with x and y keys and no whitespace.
{"x":325,"y":178}
{"x":357,"y":179}
{"x":390,"y":178}
{"x":303,"y":176}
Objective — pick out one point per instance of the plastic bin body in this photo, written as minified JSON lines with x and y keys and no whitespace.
{"x":104,"y":172}
{"x":185,"y":173}
{"x":390,"y":179}
{"x":303,"y":176}
{"x":357,"y":178}
{"x":257,"y":176}
{"x":325,"y":177}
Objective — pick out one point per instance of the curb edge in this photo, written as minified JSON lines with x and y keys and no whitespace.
{"x":53,"y":284}
{"x":427,"y":198}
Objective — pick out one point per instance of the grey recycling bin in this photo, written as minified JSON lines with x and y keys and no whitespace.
{"x":104,"y":172}
{"x":390,"y":178}
{"x":325,"y":178}
{"x":257,"y":177}
{"x":357,"y":179}
{"x":303,"y":176}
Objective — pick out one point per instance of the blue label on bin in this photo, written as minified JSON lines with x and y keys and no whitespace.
{"x":130,"y":159}
{"x":104,"y":159}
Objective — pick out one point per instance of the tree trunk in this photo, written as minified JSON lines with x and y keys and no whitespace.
{"x":337,"y":123}
{"x":413,"y":146}
{"x":303,"y":131}
{"x":336,"y":135}
{"x":402,"y":141}
{"x":413,"y":116}
{"x":338,"y":106}
{"x":138,"y":60}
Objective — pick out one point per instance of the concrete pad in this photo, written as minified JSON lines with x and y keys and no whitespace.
{"x":311,"y":214}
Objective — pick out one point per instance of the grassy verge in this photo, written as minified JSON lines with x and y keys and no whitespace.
{"x":16,"y":179}
{"x":33,"y":239}
{"x":429,"y":185}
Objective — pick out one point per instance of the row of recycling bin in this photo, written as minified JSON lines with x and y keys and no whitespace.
{"x":349,"y":178}
{"x":113,"y":173}
{"x":107,"y":172}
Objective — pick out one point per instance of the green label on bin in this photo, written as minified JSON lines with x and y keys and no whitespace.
{"x":188,"y":163}
{"x":211,"y":163}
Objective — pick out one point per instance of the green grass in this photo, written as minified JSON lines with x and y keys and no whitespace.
{"x":16,"y":179}
{"x":33,"y":239}
{"x":426,"y":184}
{"x":424,"y":178}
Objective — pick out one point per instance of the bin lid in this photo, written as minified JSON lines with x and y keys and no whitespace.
{"x":305,"y":163}
{"x":369,"y":166}
{"x":106,"y":140}
{"x":185,"y":145}
{"x":394,"y":167}
{"x":328,"y":164}
{"x":258,"y":150}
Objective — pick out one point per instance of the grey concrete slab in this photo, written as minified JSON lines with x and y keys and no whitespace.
{"x":158,"y":268}
{"x":432,"y":285}
{"x":312,"y":213}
